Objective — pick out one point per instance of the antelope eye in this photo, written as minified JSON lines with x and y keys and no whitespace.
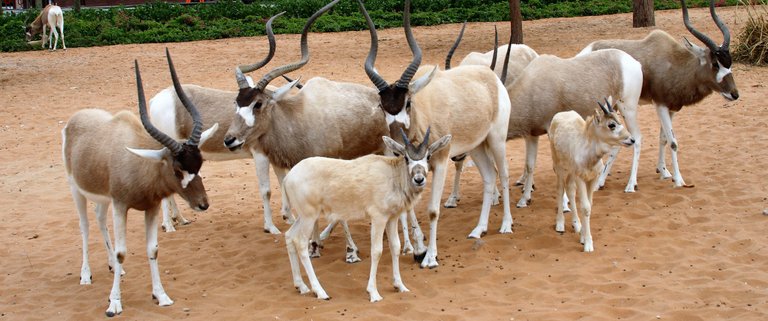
{"x":428,"y":157}
{"x":258,"y":105}
{"x":408,"y":105}
{"x":612,"y":126}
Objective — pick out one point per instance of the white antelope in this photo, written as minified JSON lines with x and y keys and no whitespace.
{"x":114,"y":159}
{"x":468,"y":102}
{"x":578,"y":146}
{"x":324,"y":118}
{"x":168,"y":114}
{"x":676,"y":75}
{"x":51,"y":17}
{"x":379,"y":187}
{"x":517,"y":57}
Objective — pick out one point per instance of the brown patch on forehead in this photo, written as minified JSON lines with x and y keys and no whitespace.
{"x":393,"y":99}
{"x":246,"y":96}
{"x":189,"y":159}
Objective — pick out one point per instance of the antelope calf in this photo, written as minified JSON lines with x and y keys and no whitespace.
{"x":676,"y":75}
{"x":51,"y":17}
{"x":578,"y":146}
{"x":127,"y":162}
{"x":379,"y":187}
{"x":169,"y":115}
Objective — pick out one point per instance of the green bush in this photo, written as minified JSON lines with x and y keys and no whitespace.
{"x":173,"y":22}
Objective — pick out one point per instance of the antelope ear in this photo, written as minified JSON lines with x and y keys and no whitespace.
{"x":280,"y":92}
{"x":394,"y":146}
{"x":208,"y":134}
{"x":422,"y":82}
{"x":697,"y":51}
{"x":153,"y":154}
{"x":439,"y":144}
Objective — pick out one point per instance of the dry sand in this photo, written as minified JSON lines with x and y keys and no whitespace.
{"x":661,"y":253}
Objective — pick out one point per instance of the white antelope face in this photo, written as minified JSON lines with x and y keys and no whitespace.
{"x":609,"y":128}
{"x":255,"y":100}
{"x":251,"y":105}
{"x":417,"y":158}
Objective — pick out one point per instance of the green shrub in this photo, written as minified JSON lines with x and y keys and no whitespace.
{"x":172,"y":22}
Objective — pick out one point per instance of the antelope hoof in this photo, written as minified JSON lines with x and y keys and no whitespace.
{"x":162,"y":299}
{"x":429,"y":261}
{"x":352,"y":256}
{"x":303,"y":289}
{"x":115,"y":308}
{"x":506,"y":228}
{"x":419,"y":257}
{"x":478,"y":232}
{"x":271,"y":230}
{"x":523,"y":203}
{"x":452,"y":202}
{"x":375,"y":297}
{"x":168,"y":228}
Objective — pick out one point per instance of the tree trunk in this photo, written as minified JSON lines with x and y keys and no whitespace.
{"x":642,"y":13}
{"x":516,"y":21}
{"x":76,"y":5}
{"x":39,"y":4}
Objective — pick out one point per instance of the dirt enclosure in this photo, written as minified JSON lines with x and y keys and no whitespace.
{"x":665,"y":253}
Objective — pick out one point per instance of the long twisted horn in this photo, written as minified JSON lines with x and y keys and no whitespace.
{"x":271,"y":38}
{"x":506,"y":61}
{"x":453,"y":48}
{"x":726,"y":33}
{"x":168,"y":142}
{"x":702,"y":37}
{"x":495,"y":47}
{"x":379,"y":82}
{"x":405,"y":79}
{"x":197,"y":128}
{"x":277,"y":72}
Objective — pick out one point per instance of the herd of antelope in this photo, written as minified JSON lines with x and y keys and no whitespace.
{"x":346,"y":151}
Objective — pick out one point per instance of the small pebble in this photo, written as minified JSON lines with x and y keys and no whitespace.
{"x":186,"y":309}
{"x":765,"y":211}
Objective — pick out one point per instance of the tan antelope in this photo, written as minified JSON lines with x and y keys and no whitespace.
{"x":51,"y":17}
{"x":324,"y":118}
{"x":468,"y":102}
{"x":676,"y":75}
{"x":578,"y":146}
{"x":127,"y":162}
{"x":169,"y":115}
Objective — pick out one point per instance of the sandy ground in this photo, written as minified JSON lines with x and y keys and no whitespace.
{"x":661,"y":253}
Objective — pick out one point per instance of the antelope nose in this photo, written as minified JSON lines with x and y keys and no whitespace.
{"x":203,"y":206}
{"x":229,"y":140}
{"x":735,"y":95}
{"x":419,"y":180}
{"x":631,"y":140}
